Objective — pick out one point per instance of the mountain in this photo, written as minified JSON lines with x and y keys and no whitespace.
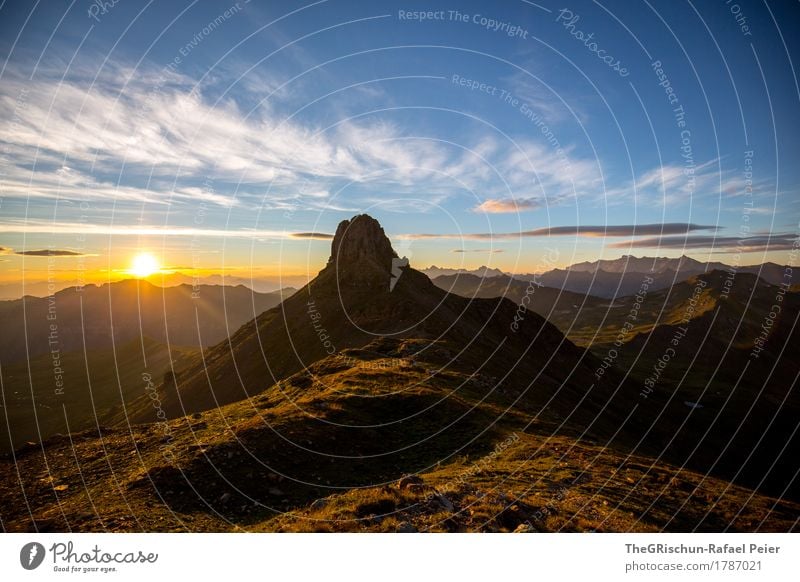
{"x":485,"y":272}
{"x":352,"y":305}
{"x":694,"y":340}
{"x":596,"y":323}
{"x":644,"y":265}
{"x":727,"y":353}
{"x":95,"y":317}
{"x":362,"y":294}
{"x":284,"y":284}
{"x":623,"y":276}
{"x":259,"y":284}
{"x":561,"y":308}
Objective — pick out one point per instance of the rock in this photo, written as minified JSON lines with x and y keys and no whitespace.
{"x":406,"y":527}
{"x":197,"y":416}
{"x":408,"y":480}
{"x":361,"y":238}
{"x":362,"y":255}
{"x":225,"y":497}
{"x":319,"y":503}
{"x":445,"y":503}
{"x":525,"y":528}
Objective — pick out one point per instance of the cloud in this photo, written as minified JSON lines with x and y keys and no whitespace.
{"x":759,"y":242}
{"x":88,"y":229}
{"x":588,"y":231}
{"x":545,"y":100}
{"x":622,"y":230}
{"x":50,"y":253}
{"x":172,"y":127}
{"x":478,"y":251}
{"x":148,"y":136}
{"x":129,"y":127}
{"x":312,"y":235}
{"x":673,"y":184}
{"x":33,"y":226}
{"x":502,"y":205}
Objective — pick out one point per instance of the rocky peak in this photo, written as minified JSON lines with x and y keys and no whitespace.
{"x":361,"y":240}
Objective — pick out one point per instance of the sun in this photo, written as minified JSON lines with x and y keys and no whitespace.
{"x":144,"y":265}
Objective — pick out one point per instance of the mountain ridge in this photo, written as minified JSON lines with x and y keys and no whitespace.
{"x":97,"y":316}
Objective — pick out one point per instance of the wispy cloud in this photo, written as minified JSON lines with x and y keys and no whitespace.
{"x":505,"y":205}
{"x":88,"y":229}
{"x":544,"y":100}
{"x":674,"y":184}
{"x":610,"y":230}
{"x":50,"y":253}
{"x":760,"y":242}
{"x":143,"y":135}
{"x":312,"y":235}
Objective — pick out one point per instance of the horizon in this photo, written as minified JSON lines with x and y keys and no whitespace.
{"x":178,"y":278}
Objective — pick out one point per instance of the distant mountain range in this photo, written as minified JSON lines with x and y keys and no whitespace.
{"x":594,"y":321}
{"x":261,"y":284}
{"x":433,"y":272}
{"x":622,"y":276}
{"x":97,"y":317}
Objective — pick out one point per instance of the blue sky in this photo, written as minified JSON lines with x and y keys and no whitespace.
{"x":209,"y":132}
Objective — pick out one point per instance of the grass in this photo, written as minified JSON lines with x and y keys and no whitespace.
{"x":279,"y":462}
{"x":35,"y":408}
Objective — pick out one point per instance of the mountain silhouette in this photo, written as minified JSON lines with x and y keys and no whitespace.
{"x":612,"y":278}
{"x":100,"y":316}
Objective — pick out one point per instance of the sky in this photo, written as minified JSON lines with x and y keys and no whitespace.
{"x":227,"y":139}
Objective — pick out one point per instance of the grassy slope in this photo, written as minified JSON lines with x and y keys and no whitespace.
{"x":323,"y":451}
{"x":84,"y":397}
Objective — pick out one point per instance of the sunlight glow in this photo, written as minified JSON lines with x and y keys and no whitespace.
{"x":144,"y":265}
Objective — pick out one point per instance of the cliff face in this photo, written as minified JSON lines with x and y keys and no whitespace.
{"x":361,"y":253}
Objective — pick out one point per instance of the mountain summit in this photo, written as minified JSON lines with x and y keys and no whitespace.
{"x":361,"y":239}
{"x":362,"y":255}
